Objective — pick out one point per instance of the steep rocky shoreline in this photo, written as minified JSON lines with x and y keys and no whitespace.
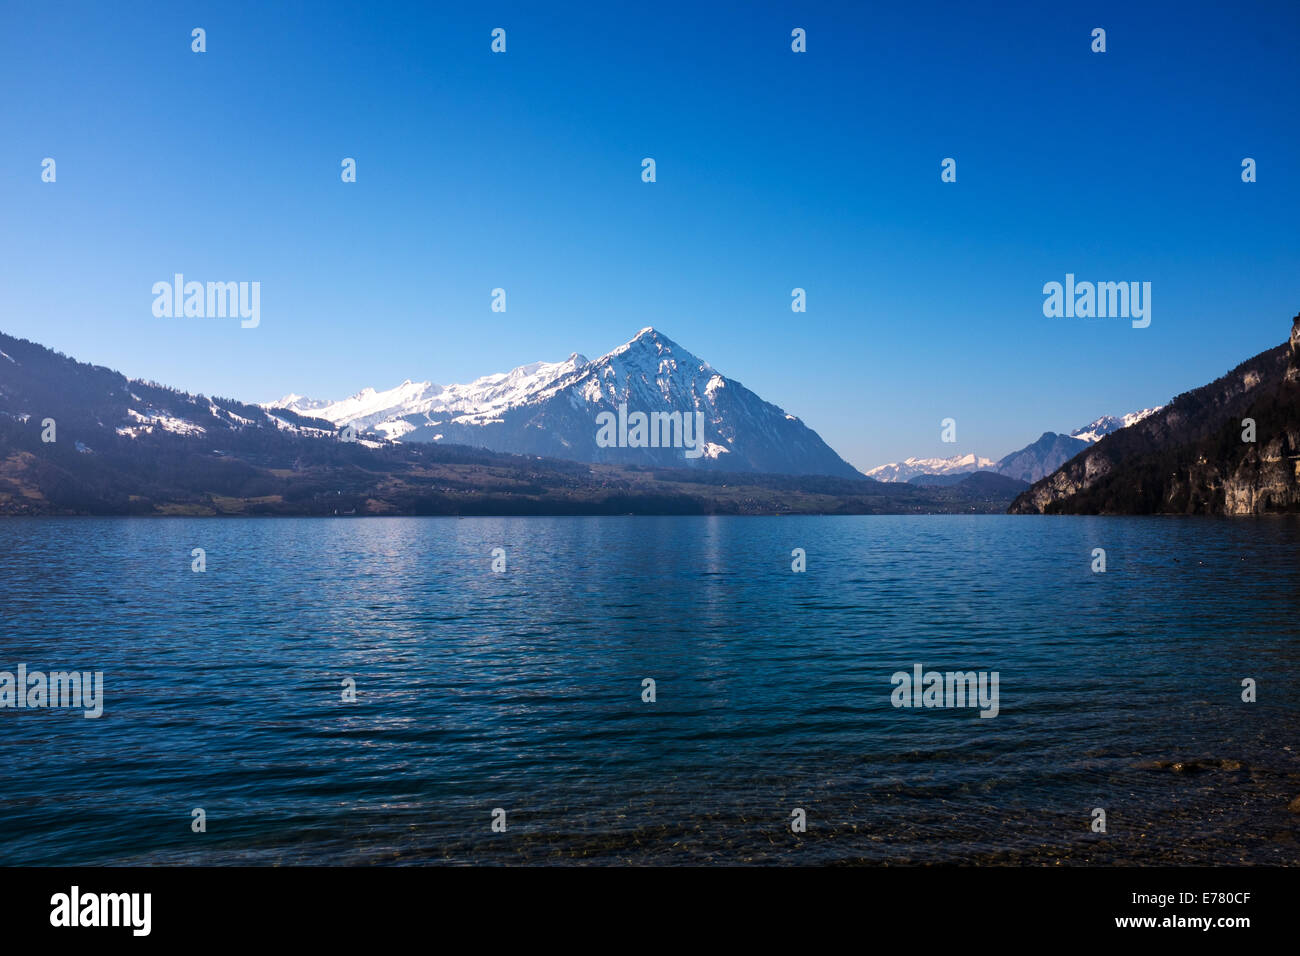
{"x":1193,"y":457}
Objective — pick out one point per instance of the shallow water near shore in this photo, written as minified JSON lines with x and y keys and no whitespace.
{"x":522,"y":690}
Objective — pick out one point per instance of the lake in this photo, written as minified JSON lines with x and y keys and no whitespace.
{"x":522,"y":690}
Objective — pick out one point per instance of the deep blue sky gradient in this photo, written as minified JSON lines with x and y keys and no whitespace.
{"x":775,"y":170}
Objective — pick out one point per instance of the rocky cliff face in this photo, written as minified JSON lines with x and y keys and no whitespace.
{"x":1293,"y":370}
{"x":1193,"y":457}
{"x":1266,"y":477}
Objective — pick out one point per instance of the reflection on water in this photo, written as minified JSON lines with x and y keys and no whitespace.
{"x":522,"y":690}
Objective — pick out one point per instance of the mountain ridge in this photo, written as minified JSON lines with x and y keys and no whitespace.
{"x":551,"y":408}
{"x":1030,"y":463}
{"x":1194,"y":456}
{"x":79,"y":439}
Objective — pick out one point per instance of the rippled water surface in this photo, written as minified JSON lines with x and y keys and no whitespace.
{"x":522,"y":690}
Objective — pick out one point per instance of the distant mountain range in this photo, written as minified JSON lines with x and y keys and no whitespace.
{"x":82,"y":439}
{"x":1229,"y":447}
{"x":911,"y":468}
{"x":552,"y":409}
{"x":1028,"y":464}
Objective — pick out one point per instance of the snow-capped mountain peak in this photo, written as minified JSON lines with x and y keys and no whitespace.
{"x":553,"y":409}
{"x":481,"y":398}
{"x":650,"y":344}
{"x":1095,"y":431}
{"x":1030,"y":463}
{"x":366,"y":408}
{"x":294,"y":400}
{"x":911,"y":467}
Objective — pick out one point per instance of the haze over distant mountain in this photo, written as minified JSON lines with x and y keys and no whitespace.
{"x":1040,"y":457}
{"x":551,"y":409}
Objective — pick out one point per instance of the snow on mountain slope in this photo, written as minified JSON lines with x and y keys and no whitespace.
{"x":364,"y":408}
{"x":480,"y":400}
{"x":552,"y":408}
{"x":1095,"y":431}
{"x":911,"y":467}
{"x":1030,"y":463}
{"x":36,"y":382}
{"x":146,"y":423}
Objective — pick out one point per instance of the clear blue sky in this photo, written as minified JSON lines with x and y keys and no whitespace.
{"x":775,"y":170}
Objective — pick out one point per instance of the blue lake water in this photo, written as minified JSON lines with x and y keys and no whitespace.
{"x":522,"y":690}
